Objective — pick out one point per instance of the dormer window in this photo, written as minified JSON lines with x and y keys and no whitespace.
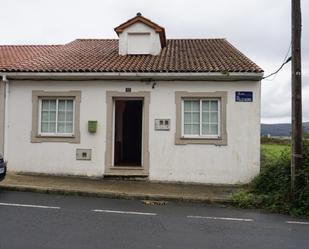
{"x":139,"y":43}
{"x":140,"y":36}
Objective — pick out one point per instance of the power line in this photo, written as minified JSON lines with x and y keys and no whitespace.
{"x":285,"y":61}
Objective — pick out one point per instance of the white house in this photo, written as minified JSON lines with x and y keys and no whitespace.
{"x":182,"y":110}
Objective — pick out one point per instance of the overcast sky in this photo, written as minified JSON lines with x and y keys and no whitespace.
{"x":259,"y":28}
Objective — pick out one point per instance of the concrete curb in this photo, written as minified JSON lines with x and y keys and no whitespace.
{"x":115,"y":195}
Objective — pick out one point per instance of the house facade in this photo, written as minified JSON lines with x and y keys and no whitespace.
{"x":179,"y":110}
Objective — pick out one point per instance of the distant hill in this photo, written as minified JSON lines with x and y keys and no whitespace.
{"x":279,"y":130}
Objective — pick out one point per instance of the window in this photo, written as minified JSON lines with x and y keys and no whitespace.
{"x":139,"y":43}
{"x":201,"y":117}
{"x":55,"y":116}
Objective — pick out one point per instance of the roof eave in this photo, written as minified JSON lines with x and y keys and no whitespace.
{"x":239,"y":76}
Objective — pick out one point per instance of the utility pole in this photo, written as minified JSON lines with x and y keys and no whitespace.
{"x":296,"y":160}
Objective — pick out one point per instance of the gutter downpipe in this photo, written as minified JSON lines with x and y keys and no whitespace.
{"x":6,"y":116}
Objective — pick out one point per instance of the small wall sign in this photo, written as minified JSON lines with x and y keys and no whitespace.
{"x":243,"y":96}
{"x":83,"y":154}
{"x":162,"y":124}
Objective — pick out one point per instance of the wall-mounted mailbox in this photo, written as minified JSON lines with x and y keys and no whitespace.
{"x":83,"y":154}
{"x":92,"y":126}
{"x":162,"y":124}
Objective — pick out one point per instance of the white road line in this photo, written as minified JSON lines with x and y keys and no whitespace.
{"x":122,"y":212}
{"x":219,"y":218}
{"x":26,"y":205}
{"x":297,"y":222}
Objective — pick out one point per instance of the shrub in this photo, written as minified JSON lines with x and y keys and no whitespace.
{"x":271,"y":189}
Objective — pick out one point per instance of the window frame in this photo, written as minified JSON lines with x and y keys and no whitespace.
{"x":36,"y":135}
{"x":181,"y":138}
{"x":55,"y":134}
{"x":200,"y":136}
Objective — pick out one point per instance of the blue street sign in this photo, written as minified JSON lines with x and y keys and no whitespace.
{"x":244,"y":96}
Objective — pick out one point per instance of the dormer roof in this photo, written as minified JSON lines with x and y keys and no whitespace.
{"x":139,"y":18}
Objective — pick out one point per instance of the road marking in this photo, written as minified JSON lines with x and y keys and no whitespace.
{"x":26,"y":205}
{"x":219,"y":218}
{"x":122,"y":212}
{"x":297,"y":222}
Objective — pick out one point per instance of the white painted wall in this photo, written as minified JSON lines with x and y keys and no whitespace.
{"x":131,"y":43}
{"x":237,"y":162}
{"x":2,"y":115}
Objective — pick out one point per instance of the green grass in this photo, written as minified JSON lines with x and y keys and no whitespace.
{"x":273,"y":151}
{"x":271,"y":188}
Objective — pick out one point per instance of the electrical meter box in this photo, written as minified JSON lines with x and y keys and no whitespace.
{"x":162,"y":124}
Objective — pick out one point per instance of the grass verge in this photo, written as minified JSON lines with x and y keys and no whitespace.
{"x":271,"y":188}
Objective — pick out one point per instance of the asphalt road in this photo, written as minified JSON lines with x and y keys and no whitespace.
{"x":35,"y":221}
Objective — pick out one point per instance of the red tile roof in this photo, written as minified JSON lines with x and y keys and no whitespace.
{"x":101,"y":55}
{"x":12,"y":54}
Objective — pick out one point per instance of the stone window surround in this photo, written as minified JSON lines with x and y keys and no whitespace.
{"x":110,"y":169}
{"x":181,"y":140}
{"x":36,"y":96}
